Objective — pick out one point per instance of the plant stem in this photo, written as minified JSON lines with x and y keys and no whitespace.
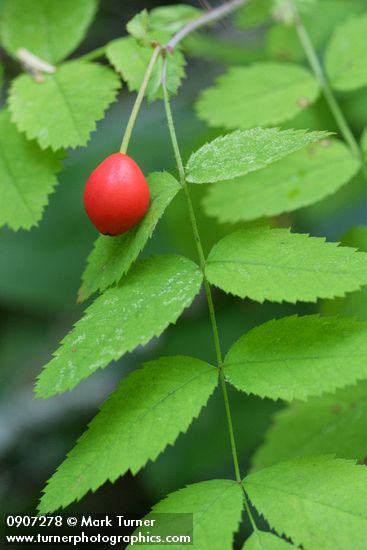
{"x":208,"y":17}
{"x":208,"y":292}
{"x":318,"y":71}
{"x":139,"y":100}
{"x":201,"y":255}
{"x":94,"y":54}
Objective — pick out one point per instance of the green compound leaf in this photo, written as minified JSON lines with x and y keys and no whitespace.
{"x":260,"y":95}
{"x":346,"y":57}
{"x":298,"y":357}
{"x":152,"y":296}
{"x":27,"y":177}
{"x":216,"y":506}
{"x":332,"y":424}
{"x":50,"y":29}
{"x":147,"y":412}
{"x":259,"y":540}
{"x":318,"y":502}
{"x":62,"y":110}
{"x":274,"y":264}
{"x":131,"y":61}
{"x":241,"y":152}
{"x":111,"y":258}
{"x":286,"y":185}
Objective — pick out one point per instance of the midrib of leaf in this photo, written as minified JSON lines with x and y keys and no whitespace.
{"x":7,"y":165}
{"x":270,"y":91}
{"x":99,"y":314}
{"x":296,"y":358}
{"x":165,"y":397}
{"x":334,"y":421}
{"x":263,"y":190}
{"x":212,"y":502}
{"x":259,"y":540}
{"x":116,"y":253}
{"x":315,"y":168}
{"x":65,"y":99}
{"x":89,"y":464}
{"x":280,"y":266}
{"x":148,"y":411}
{"x":308,"y":500}
{"x":258,"y":146}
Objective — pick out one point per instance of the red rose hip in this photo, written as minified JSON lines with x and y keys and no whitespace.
{"x":116,"y":195}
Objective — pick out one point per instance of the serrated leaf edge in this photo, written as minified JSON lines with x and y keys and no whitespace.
{"x":69,"y":387}
{"x":133,"y":471}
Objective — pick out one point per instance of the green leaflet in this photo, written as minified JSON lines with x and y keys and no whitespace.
{"x":161,"y":22}
{"x":346,"y":58}
{"x":111,"y":258}
{"x":147,"y":412}
{"x":138,"y":26}
{"x":254,"y":13}
{"x":131,"y":61}
{"x":259,"y":540}
{"x":148,"y":299}
{"x":298,"y":357}
{"x":241,"y":152}
{"x":354,"y":303}
{"x":27,"y":177}
{"x":62,"y":110}
{"x":263,"y":94}
{"x":286,"y":185}
{"x":318,"y":502}
{"x":273,"y":264}
{"x":216,"y":506}
{"x":282,"y":42}
{"x":172,"y":18}
{"x":211,"y":48}
{"x":50,"y":29}
{"x":330,"y":424}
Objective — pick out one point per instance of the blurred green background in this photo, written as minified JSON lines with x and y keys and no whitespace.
{"x":40,"y":274}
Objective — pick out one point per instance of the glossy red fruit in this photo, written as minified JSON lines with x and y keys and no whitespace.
{"x":116,"y":196}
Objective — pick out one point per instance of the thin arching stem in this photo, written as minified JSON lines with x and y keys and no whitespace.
{"x":327,"y":91}
{"x":208,"y":292}
{"x":208,"y":17}
{"x":139,"y":100}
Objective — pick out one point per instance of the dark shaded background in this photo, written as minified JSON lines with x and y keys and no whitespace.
{"x":40,"y":273}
